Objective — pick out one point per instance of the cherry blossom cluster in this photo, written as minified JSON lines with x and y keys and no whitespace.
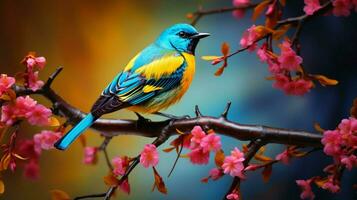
{"x":25,"y":108}
{"x":31,"y":149}
{"x":280,"y":66}
{"x":18,"y":109}
{"x":340,"y":7}
{"x":33,"y":66}
{"x":341,"y":145}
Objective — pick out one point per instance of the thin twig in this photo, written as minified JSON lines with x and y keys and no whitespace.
{"x":196,"y":16}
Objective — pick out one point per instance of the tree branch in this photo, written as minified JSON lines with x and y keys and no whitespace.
{"x":114,"y":127}
{"x":196,"y":16}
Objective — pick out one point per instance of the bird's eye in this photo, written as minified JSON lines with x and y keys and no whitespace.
{"x":183,"y":34}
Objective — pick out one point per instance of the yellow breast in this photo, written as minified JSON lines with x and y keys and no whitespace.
{"x":166,"y":99}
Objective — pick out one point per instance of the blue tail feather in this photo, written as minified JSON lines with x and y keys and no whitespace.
{"x":75,"y":132}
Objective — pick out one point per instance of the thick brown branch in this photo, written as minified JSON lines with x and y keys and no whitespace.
{"x":114,"y":127}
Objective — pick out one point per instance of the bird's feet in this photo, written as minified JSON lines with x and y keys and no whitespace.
{"x":172,"y":116}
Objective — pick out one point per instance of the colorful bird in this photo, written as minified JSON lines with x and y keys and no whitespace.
{"x":154,"y":79}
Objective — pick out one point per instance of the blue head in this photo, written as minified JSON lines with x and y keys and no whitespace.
{"x":181,"y":37}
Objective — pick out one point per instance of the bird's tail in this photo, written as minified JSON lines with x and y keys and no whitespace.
{"x":75,"y":132}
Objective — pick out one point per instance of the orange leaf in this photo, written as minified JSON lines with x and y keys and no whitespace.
{"x":110,"y":180}
{"x":219,"y":71}
{"x":225,"y":48}
{"x":219,"y":158}
{"x":59,"y":195}
{"x":282,"y":2}
{"x":189,"y":15}
{"x":82,"y":139}
{"x":324,"y":80}
{"x":5,"y":97}
{"x":261,"y":150}
{"x":245,"y":148}
{"x":267,"y":172}
{"x":271,"y":21}
{"x":262,"y":30}
{"x":259,"y":9}
{"x":262,"y":158}
{"x":4,"y":162}
{"x":53,"y":121}
{"x":210,"y":57}
{"x":2,"y":187}
{"x":205,"y":180}
{"x":19,"y":157}
{"x":297,"y":153}
{"x":318,"y":128}
{"x":11,"y":94}
{"x":167,"y":150}
{"x":280,"y":32}
{"x":353,"y":110}
{"x":320,"y":181}
{"x":159,"y":183}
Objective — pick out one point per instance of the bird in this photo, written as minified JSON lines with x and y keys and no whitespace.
{"x":154,"y":79}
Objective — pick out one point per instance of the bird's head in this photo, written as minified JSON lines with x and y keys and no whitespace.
{"x":181,"y":37}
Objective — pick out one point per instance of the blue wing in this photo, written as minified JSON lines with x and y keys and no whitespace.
{"x":152,"y":72}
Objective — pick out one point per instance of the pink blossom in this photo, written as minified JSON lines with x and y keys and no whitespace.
{"x":149,"y":156}
{"x":39,"y":115}
{"x":125,"y":186}
{"x":349,"y":161}
{"x":341,"y":7}
{"x":239,"y":13}
{"x":348,"y":129}
{"x":197,"y":135}
{"x":41,"y":62}
{"x":215,"y":173}
{"x":236,"y":153}
{"x":45,"y":140}
{"x":331,"y":186}
{"x":306,"y":189}
{"x":211,"y":142}
{"x":32,"y":170}
{"x":120,"y":164}
{"x":198,"y":156}
{"x":241,"y":3}
{"x":249,"y":38}
{"x":332,"y":143}
{"x":7,"y":114}
{"x":233,"y":196}
{"x":233,"y":166}
{"x":33,"y":82}
{"x":26,"y":148}
{"x":298,"y":87}
{"x":284,"y":157}
{"x":274,"y":66}
{"x":90,"y":155}
{"x":271,"y":9}
{"x":32,"y":61}
{"x":262,"y":53}
{"x":5,"y":83}
{"x":348,"y":126}
{"x":292,"y":87}
{"x":311,"y":6}
{"x":23,"y":105}
{"x":288,"y":59}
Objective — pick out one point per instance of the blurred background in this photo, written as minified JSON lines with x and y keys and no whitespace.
{"x":93,"y":40}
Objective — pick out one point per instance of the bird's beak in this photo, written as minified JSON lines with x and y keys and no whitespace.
{"x":200,"y":35}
